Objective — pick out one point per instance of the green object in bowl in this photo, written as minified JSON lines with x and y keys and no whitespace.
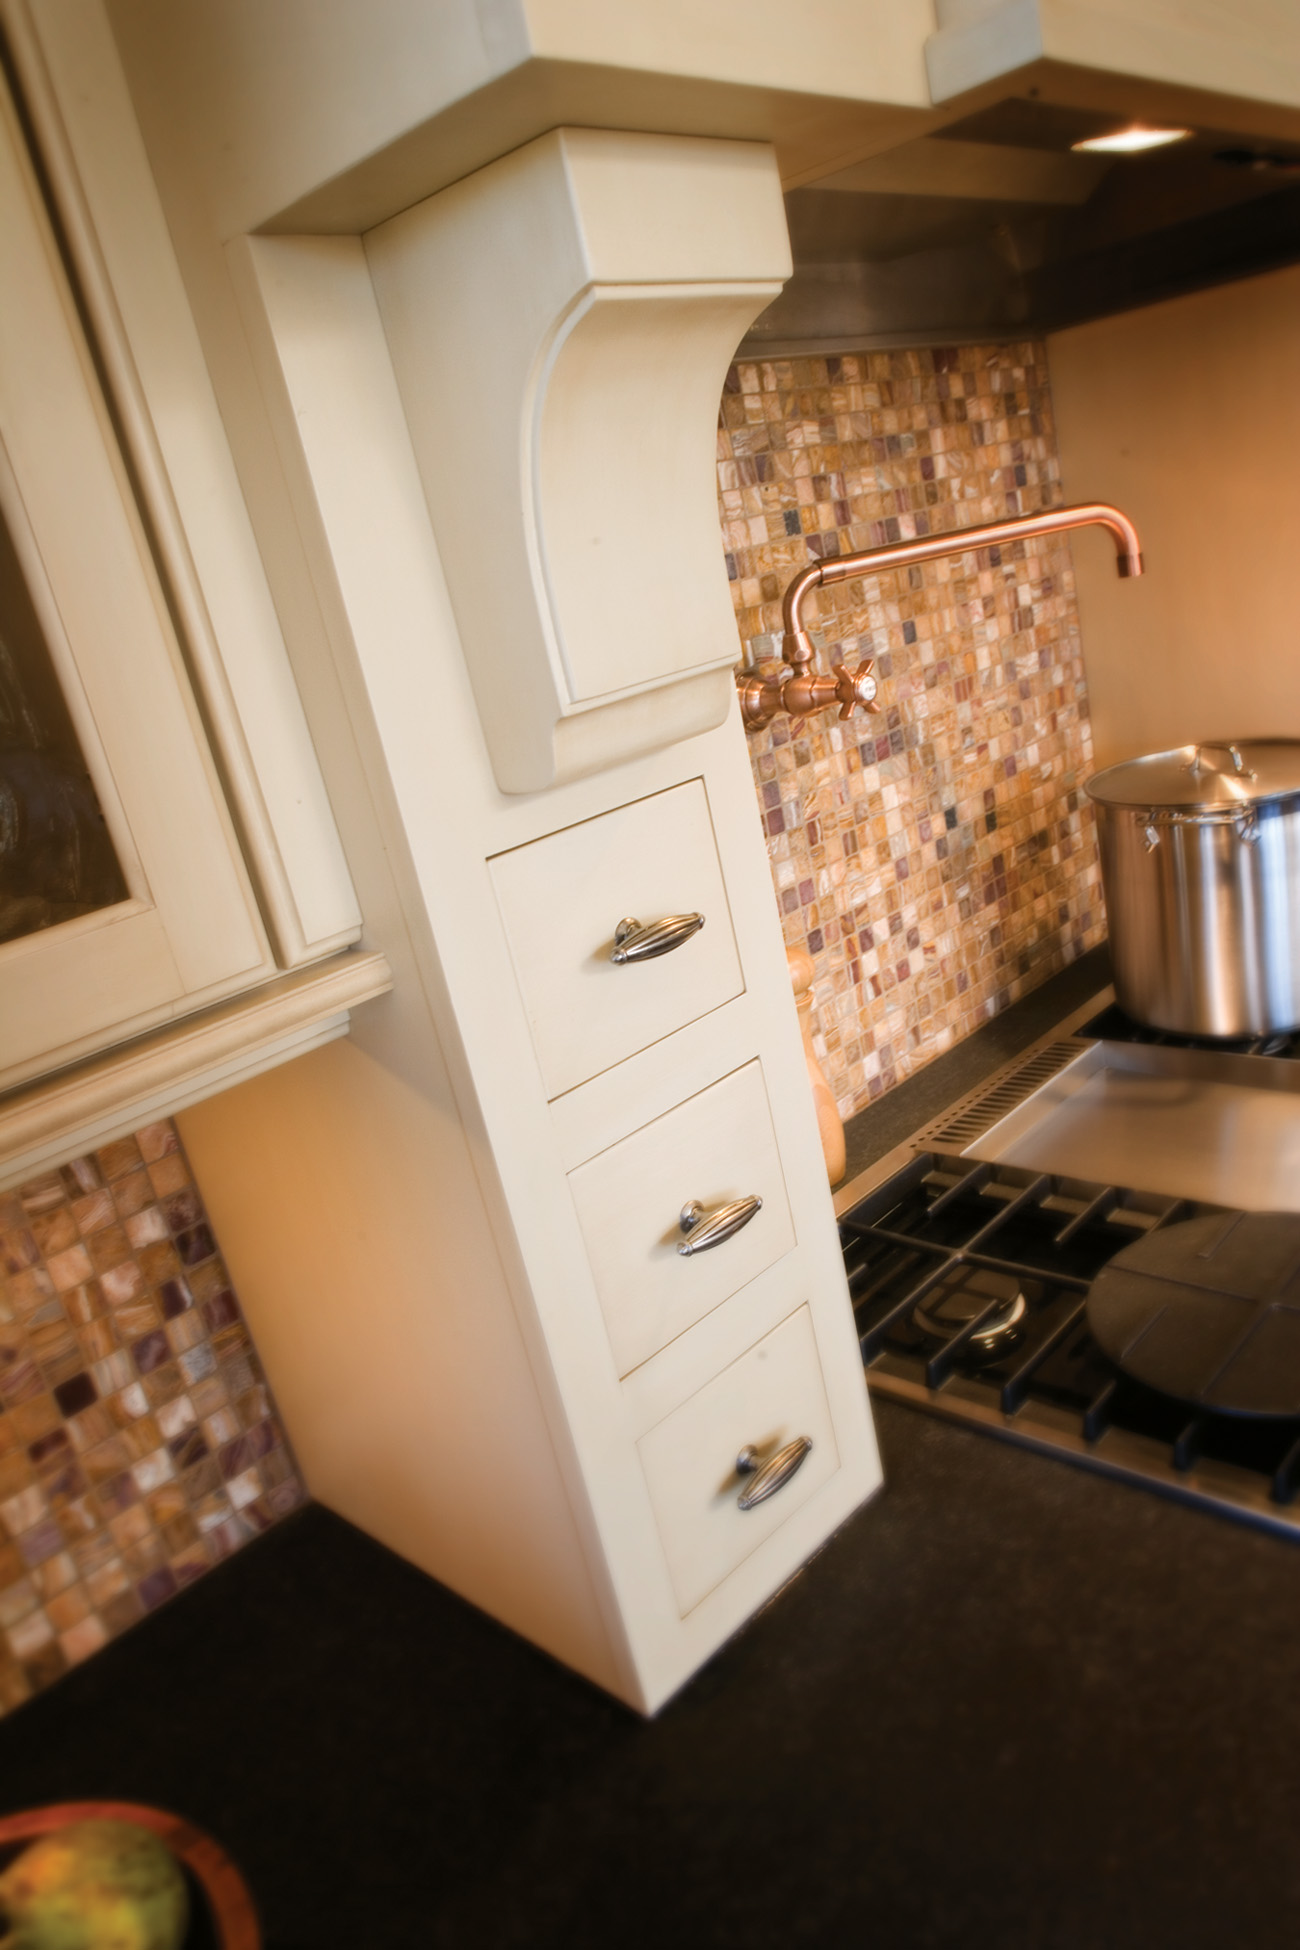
{"x":94,"y":1885}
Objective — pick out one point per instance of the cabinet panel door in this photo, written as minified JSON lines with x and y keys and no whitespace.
{"x":768,"y":1398}
{"x":716,"y":1148}
{"x":562,"y":899}
{"x":180,"y":924}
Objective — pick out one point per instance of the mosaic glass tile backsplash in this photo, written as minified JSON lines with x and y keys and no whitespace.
{"x":138,"y":1445}
{"x":937,"y":860}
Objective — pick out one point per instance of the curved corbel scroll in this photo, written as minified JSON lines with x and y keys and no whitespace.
{"x":560,"y":325}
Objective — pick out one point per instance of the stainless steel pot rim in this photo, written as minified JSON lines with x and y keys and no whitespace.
{"x":1210,"y":816}
{"x":1216,"y":779}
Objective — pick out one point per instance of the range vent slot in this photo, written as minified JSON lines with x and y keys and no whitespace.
{"x":986,"y":1106}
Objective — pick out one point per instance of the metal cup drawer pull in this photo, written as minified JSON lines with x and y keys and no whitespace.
{"x":774,"y":1474}
{"x":705,"y":1229}
{"x":632,"y":942}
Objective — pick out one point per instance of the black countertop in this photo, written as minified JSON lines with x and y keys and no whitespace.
{"x":1011,"y":1703}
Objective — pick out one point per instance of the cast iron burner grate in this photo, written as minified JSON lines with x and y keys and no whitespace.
{"x":949,"y":1238}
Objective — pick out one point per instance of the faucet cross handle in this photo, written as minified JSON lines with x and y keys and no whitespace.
{"x":857,"y":687}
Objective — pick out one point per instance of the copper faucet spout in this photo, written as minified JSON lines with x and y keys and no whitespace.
{"x":797,"y":647}
{"x":801,"y":693}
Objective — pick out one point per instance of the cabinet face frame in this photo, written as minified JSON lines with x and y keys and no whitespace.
{"x":190,"y":931}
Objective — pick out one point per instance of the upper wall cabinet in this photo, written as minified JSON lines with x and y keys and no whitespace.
{"x":562,"y":319}
{"x":123,"y":898}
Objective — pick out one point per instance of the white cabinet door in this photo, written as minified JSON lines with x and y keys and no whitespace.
{"x":562,"y":899}
{"x":773,"y":1396}
{"x":86,"y":639}
{"x":716,"y":1148}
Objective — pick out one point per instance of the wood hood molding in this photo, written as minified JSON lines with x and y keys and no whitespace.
{"x":560,"y":322}
{"x":325,"y":117}
{"x":1123,"y":52}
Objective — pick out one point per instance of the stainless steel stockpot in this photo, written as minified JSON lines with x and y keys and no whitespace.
{"x":1200,"y":864}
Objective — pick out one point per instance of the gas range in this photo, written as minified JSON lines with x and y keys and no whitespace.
{"x":970,"y":1249}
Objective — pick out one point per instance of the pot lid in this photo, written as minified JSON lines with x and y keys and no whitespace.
{"x":1241,"y":773}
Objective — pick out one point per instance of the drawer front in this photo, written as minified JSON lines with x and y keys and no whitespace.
{"x":771,"y":1395}
{"x":717,"y":1147}
{"x":562,"y":899}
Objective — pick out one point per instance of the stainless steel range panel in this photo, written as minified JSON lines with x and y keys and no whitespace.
{"x":970,"y":1250}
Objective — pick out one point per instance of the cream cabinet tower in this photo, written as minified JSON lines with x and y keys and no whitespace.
{"x":495,"y":418}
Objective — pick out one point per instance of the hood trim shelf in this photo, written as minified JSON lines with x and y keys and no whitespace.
{"x":172,"y":1068}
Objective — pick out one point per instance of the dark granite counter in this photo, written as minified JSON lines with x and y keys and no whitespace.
{"x":1011,"y":1703}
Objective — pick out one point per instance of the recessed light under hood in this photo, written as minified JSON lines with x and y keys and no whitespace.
{"x":1134,"y":141}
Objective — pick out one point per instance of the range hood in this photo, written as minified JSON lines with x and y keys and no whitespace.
{"x":997,"y":226}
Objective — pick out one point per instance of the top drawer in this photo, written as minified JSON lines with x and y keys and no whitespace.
{"x":562,"y":899}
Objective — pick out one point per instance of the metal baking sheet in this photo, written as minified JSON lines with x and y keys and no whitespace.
{"x":1187,"y":1123}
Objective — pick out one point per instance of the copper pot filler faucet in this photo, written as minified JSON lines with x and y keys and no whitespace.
{"x":801,"y":692}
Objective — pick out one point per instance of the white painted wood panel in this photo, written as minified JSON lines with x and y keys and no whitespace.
{"x":772,"y":1394}
{"x":562,"y":898}
{"x":716,"y":1147}
{"x":644,"y":371}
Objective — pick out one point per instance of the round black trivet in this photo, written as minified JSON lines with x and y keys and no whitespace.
{"x":1208,"y":1312}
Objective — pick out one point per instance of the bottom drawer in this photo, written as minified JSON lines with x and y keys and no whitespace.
{"x":773,"y":1394}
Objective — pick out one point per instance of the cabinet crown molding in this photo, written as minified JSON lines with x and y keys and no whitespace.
{"x":560,"y":320}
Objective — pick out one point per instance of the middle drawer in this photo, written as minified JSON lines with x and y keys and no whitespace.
{"x":714,"y":1149}
{"x":562,"y":899}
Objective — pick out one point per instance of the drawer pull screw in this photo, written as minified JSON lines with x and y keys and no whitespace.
{"x":632,"y":942}
{"x":705,"y":1229}
{"x":774,"y":1474}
